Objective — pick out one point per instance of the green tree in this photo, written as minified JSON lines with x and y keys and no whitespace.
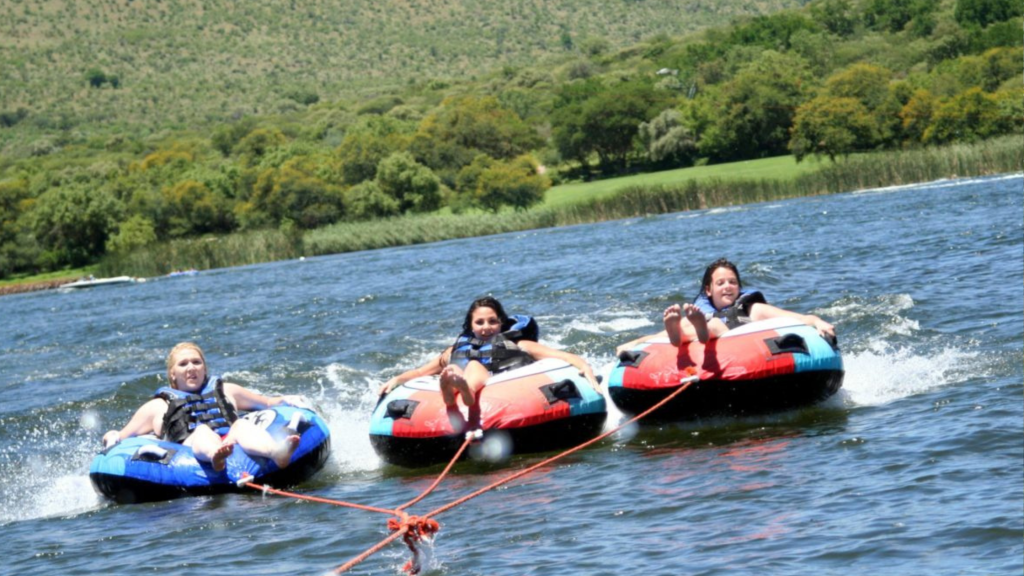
{"x":469,"y":177}
{"x":1010,"y":103}
{"x":361,"y":152}
{"x":667,"y":139}
{"x":865,"y":82}
{"x":491,"y":184}
{"x":257,"y":143}
{"x":870,"y":85}
{"x":752,"y":114}
{"x":606,"y":123}
{"x":967,"y":117}
{"x":916,"y":115}
{"x":414,"y":186}
{"x":294,"y":192}
{"x":887,"y":15}
{"x":985,"y":12}
{"x":836,"y":16}
{"x":73,"y":221}
{"x":18,"y":248}
{"x":366,"y":201}
{"x":516,"y":184}
{"x":95,"y":77}
{"x":567,"y":120}
{"x":227,"y":136}
{"x":192,"y":208}
{"x":771,"y":32}
{"x":832,"y":127}
{"x":135,"y":232}
{"x":480,"y":124}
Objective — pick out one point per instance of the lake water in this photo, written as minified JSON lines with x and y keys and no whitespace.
{"x":915,"y":467}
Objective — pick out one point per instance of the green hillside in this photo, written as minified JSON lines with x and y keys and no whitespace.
{"x":86,"y":67}
{"x":136,"y":133}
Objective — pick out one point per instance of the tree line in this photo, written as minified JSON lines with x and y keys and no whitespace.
{"x":834,"y":78}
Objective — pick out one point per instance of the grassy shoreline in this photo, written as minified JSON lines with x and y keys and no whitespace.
{"x":626,"y":197}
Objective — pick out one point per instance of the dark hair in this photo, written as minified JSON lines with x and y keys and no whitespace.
{"x":485,"y":302}
{"x":705,"y":283}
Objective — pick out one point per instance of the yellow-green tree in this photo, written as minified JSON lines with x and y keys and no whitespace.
{"x":967,"y":117}
{"x":135,"y":232}
{"x":414,"y":186}
{"x":294,"y":192}
{"x":491,"y":184}
{"x":192,"y":208}
{"x":832,"y":127}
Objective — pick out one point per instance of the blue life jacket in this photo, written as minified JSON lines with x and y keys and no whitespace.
{"x":186,"y":411}
{"x":500,"y":352}
{"x":735,"y":315}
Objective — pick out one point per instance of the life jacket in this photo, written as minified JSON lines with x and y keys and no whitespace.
{"x":735,"y":315}
{"x":500,"y":352}
{"x":186,"y":411}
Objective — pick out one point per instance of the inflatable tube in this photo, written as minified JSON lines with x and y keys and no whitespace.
{"x":765,"y":366}
{"x":146,"y":469}
{"x":547,"y":405}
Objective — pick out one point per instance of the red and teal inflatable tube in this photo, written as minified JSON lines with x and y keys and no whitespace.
{"x":547,"y":405}
{"x":760,"y":367}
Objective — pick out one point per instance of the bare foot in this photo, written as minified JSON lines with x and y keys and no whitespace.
{"x":699,"y":322}
{"x":219,"y":460}
{"x":453,"y":381}
{"x":283,"y":454}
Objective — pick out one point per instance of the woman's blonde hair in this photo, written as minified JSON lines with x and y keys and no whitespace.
{"x":177,"y":348}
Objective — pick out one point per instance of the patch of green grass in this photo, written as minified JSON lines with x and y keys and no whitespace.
{"x":777,"y":168}
{"x":73,"y":273}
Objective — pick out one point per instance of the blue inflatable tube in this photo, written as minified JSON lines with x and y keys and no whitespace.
{"x":147,"y":469}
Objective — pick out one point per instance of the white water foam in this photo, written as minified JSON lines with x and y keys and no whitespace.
{"x":882,"y":374}
{"x":940,"y":183}
{"x":347,"y":404}
{"x":49,"y":486}
{"x":889,"y":306}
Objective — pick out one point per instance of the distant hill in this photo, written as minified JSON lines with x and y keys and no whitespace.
{"x":91,"y":66}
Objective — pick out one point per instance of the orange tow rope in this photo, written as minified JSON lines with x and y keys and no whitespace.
{"x":412,"y":529}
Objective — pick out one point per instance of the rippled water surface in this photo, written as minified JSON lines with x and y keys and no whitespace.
{"x":916,"y":467}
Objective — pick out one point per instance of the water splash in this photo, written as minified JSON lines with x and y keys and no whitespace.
{"x":347,"y":404}
{"x":882,"y":374}
{"x":50,"y":484}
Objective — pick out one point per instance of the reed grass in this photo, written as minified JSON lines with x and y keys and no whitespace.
{"x":997,"y":156}
{"x":204,"y":253}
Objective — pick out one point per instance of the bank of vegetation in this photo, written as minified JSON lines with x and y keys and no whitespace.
{"x":924,"y":87}
{"x":993,"y":156}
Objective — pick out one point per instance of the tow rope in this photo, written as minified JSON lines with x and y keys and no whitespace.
{"x":414,"y":529}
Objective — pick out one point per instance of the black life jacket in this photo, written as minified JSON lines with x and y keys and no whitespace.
{"x":500,"y":352}
{"x":739,"y":313}
{"x":186,"y":411}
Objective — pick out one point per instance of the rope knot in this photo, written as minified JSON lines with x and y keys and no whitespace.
{"x":416,"y":527}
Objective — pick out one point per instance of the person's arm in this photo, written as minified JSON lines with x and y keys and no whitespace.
{"x":539,"y":351}
{"x":246,"y":399}
{"x":633,"y":343}
{"x":762,"y":311}
{"x":434,"y":366}
{"x":142,"y":422}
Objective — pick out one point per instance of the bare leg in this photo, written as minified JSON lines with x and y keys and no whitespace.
{"x":698,"y":321}
{"x":220,"y":456}
{"x":208,"y":447}
{"x":466,"y":383}
{"x":283,"y":454}
{"x":671,"y":319}
{"x":258,"y":442}
{"x":453,"y":382}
